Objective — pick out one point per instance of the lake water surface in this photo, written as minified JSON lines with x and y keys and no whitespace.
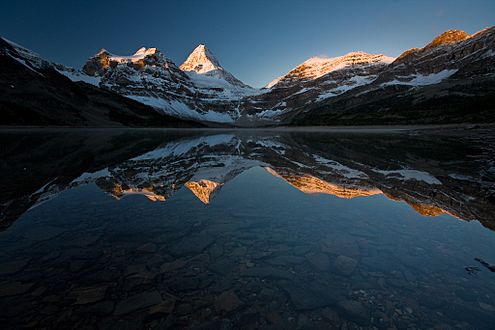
{"x":223,"y":229}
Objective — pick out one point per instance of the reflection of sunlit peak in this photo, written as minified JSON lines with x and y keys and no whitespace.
{"x":146,"y":192}
{"x":427,"y":210}
{"x":119,"y":192}
{"x":203,"y":189}
{"x":312,"y":185}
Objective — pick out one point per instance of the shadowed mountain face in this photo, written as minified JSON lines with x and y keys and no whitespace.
{"x":449,"y":80}
{"x":434,"y":174}
{"x":34,"y":93}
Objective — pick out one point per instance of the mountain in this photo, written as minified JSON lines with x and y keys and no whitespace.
{"x":200,"y":89}
{"x":316,"y":67}
{"x":202,"y":62}
{"x":451,"y":79}
{"x":312,"y":82}
{"x":34,"y":92}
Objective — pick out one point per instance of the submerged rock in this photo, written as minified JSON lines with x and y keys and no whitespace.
{"x":194,"y":244}
{"x":285,"y":260}
{"x":345,"y":265}
{"x":12,"y":267}
{"x":137,"y":302}
{"x":266,"y":272}
{"x":14,"y":288}
{"x":303,"y":298}
{"x":487,"y":307}
{"x":228,"y":301}
{"x":354,"y":310}
{"x":330,"y":315}
{"x":165,"y":307}
{"x":87,"y":295}
{"x":173,"y":265}
{"x":148,"y":248}
{"x":319,"y":261}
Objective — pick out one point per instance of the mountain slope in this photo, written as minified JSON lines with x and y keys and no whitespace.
{"x":205,"y":93}
{"x":452,"y":79}
{"x":316,"y":67}
{"x":33,"y":92}
{"x":310,"y":83}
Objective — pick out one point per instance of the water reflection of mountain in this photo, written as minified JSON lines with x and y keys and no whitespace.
{"x":433,"y":174}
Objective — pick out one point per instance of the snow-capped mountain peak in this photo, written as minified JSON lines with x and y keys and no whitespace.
{"x":318,"y":66}
{"x":139,"y":55}
{"x":201,"y":60}
{"x":143,"y":51}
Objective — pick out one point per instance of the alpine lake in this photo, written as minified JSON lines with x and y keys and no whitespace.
{"x":247,"y":229}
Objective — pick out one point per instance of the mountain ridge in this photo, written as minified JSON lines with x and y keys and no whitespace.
{"x":200,"y":89}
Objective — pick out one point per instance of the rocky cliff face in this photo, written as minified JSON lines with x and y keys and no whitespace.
{"x":442,"y":58}
{"x":33,"y":92}
{"x":200,"y":89}
{"x":451,"y":79}
{"x":432,"y":76}
{"x":312,"y":82}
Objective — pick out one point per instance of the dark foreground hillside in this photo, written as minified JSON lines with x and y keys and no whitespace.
{"x":40,"y":96}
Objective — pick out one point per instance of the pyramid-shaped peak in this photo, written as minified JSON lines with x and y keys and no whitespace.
{"x":201,"y":50}
{"x":201,"y":60}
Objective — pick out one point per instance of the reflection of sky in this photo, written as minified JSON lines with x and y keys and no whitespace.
{"x":256,"y":40}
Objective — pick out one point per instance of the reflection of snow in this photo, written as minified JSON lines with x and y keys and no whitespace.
{"x":344,"y":170}
{"x":183,"y":146}
{"x":461,"y":177}
{"x":410,"y":175}
{"x":88,"y":177}
{"x":270,"y":143}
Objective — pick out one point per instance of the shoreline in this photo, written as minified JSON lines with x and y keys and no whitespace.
{"x":358,"y":128}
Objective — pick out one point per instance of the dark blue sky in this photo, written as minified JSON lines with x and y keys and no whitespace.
{"x":255,"y":40}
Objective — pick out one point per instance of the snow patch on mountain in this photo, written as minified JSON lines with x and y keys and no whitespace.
{"x":182,"y":110}
{"x":140,"y":54}
{"x":219,"y":87}
{"x":420,"y":79}
{"x":355,"y":81}
{"x":76,"y":76}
